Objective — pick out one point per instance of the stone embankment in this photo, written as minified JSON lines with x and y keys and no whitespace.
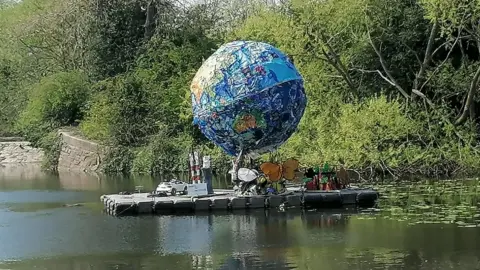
{"x":15,"y":150}
{"x":78,"y":154}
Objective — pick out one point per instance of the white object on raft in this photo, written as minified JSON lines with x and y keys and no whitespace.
{"x":197,"y":189}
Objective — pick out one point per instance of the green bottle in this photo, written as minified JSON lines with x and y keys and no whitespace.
{"x":326,"y":169}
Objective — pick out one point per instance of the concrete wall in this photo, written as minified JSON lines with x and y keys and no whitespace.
{"x":78,"y":154}
{"x":19,"y":152}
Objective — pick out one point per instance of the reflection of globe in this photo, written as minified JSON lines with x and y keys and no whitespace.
{"x":248,"y":95}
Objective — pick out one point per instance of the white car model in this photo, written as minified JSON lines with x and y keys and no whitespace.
{"x":172,"y":187}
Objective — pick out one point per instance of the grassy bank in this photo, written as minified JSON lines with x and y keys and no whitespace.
{"x":391,"y":86}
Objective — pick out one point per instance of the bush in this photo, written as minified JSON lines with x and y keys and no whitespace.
{"x":52,"y":146}
{"x":120,"y":112}
{"x":166,"y":152}
{"x":369,"y":133}
{"x":57,"y":100}
{"x":99,"y":117}
{"x":357,"y":134}
{"x":143,"y":161}
{"x":118,"y":160}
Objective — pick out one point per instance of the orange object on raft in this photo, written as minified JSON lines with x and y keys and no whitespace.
{"x":275,"y":172}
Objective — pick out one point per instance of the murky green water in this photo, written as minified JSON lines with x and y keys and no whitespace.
{"x":419,"y":226}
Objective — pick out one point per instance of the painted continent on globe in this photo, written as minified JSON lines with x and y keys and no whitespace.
{"x":248,"y":95}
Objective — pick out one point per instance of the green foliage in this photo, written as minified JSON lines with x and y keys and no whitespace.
{"x":118,"y":160}
{"x":118,"y":30}
{"x":142,"y":55}
{"x":98,"y":122}
{"x":38,"y":38}
{"x":165,"y":71}
{"x":453,"y":15}
{"x":220,"y":162}
{"x":164,"y":153}
{"x":371,"y":131}
{"x":52,"y":146}
{"x":362,"y":135}
{"x":143,"y":108}
{"x":11,"y":102}
{"x":57,"y":100}
{"x":127,"y":120}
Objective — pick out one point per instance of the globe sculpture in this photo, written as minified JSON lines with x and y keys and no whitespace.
{"x":248,"y":97}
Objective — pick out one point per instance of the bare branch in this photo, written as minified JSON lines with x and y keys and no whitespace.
{"x":332,"y":37}
{"x":149,"y":21}
{"x":334,"y":76}
{"x":441,"y":64}
{"x":332,"y":58}
{"x":338,"y":66}
{"x":412,"y":51}
{"x":448,"y":41}
{"x":384,"y":66}
{"x":375,"y":71}
{"x":420,"y":94}
{"x":428,"y":56}
{"x":430,"y":42}
{"x":469,"y":100}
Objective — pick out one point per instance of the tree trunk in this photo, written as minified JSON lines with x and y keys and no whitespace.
{"x":473,"y":111}
{"x":150,"y":20}
{"x":470,"y":96}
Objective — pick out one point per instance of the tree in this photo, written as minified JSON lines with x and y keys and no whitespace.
{"x":457,"y":22}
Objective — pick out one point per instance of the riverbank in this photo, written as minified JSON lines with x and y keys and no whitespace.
{"x":74,"y":152}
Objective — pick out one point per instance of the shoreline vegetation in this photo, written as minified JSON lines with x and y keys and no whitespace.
{"x":391,"y":85}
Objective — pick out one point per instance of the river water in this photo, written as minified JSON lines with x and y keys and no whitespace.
{"x":414,"y":229}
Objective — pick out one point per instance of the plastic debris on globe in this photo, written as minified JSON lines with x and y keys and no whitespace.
{"x":248,"y":97}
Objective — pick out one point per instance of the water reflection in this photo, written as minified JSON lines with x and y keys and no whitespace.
{"x":31,"y":177}
{"x":259,"y":240}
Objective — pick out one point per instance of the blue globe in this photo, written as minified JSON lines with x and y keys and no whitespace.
{"x":248,"y":96}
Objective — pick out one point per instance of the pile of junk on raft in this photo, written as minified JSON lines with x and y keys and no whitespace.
{"x":275,"y":178}
{"x":267,"y":178}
